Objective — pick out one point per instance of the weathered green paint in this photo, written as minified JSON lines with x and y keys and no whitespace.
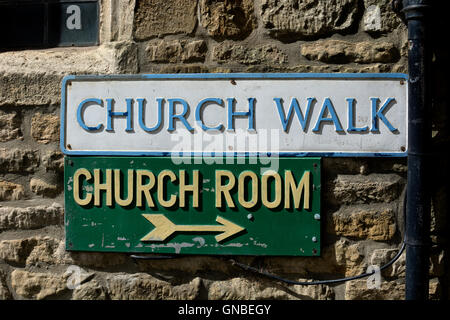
{"x":114,"y":228}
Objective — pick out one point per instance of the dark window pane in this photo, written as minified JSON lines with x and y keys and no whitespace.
{"x":48,"y":23}
{"x":22,"y":25}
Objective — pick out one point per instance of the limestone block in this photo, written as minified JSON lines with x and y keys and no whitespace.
{"x":155,"y":18}
{"x":43,"y":188}
{"x":338,"y":51}
{"x":228,"y":52}
{"x":33,"y":77}
{"x":184,"y":68}
{"x":123,"y":56}
{"x":45,"y":128}
{"x":379,"y":17}
{"x":363,"y":222}
{"x":4,"y":290}
{"x":36,"y":285}
{"x":350,"y":256}
{"x":33,"y":251}
{"x":11,"y":191}
{"x":141,"y":286}
{"x":291,"y":20}
{"x":176,"y":51}
{"x":91,"y":290}
{"x":10,"y":126}
{"x":227,"y":19}
{"x":53,"y":161}
{"x":437,"y":262}
{"x":434,"y":290}
{"x":31,"y":217}
{"x":116,"y":20}
{"x":46,"y":250}
{"x":382,"y":256}
{"x":15,"y":160}
{"x":246,"y":289}
{"x":388,"y":290}
{"x":16,"y":251}
{"x":352,"y":189}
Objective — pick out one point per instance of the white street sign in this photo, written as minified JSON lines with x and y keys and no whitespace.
{"x":286,"y":114}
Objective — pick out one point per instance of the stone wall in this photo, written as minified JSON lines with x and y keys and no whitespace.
{"x":362,"y":198}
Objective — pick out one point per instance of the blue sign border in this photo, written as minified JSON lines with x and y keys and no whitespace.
{"x":230,"y":76}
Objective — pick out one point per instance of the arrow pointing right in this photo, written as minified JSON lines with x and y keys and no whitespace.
{"x":165,"y":228}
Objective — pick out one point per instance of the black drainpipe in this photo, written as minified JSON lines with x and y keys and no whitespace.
{"x":419,"y":140}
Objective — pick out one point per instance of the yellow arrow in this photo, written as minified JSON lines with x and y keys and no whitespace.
{"x":164,"y":228}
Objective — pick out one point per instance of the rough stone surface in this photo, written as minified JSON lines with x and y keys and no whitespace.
{"x":371,"y":188}
{"x":116,"y":20}
{"x":176,"y":51}
{"x":53,"y":161}
{"x":122,"y":56}
{"x":142,"y":286}
{"x":11,"y":191}
{"x":304,"y":19}
{"x":375,"y":223}
{"x":350,"y":256}
{"x":434,"y":290}
{"x":16,"y":251}
{"x":243,"y":288}
{"x":43,"y":188}
{"x":31,"y":217}
{"x":45,"y":128}
{"x":388,"y":290}
{"x":437,"y":263}
{"x":379,"y":17}
{"x":91,"y":290}
{"x":47,"y":250}
{"x":17,"y":160}
{"x":382,"y":256}
{"x":228,"y":51}
{"x":227,"y":19}
{"x":33,"y":77}
{"x":155,"y":18}
{"x":338,"y":51}
{"x":36,"y":285}
{"x":10,"y":126}
{"x":4,"y":290}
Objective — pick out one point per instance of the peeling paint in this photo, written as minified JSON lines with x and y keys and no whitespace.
{"x":237,"y":245}
{"x":177,"y":246}
{"x":201,"y":241}
{"x":260,"y":244}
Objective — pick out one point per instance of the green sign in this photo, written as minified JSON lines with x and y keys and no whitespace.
{"x":199,"y":206}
